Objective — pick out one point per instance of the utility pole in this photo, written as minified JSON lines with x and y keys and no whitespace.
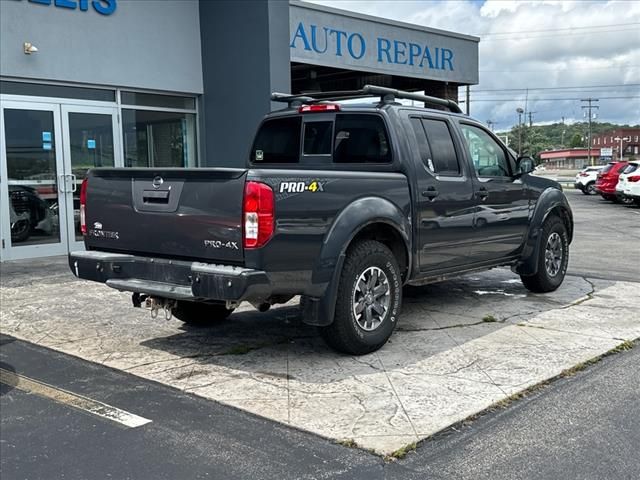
{"x":520,"y":111}
{"x":563,"y":132}
{"x":590,"y":107}
{"x":530,"y":119}
{"x":468,"y":100}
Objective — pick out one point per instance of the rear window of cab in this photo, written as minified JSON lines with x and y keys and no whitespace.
{"x":347,"y":138}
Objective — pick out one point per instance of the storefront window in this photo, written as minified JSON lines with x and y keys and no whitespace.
{"x":159,"y":139}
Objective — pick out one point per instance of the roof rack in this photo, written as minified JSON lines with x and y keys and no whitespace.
{"x":387,"y":95}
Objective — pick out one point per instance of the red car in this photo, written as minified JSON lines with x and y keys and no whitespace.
{"x":608,"y":178}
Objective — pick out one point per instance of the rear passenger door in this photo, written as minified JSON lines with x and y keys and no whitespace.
{"x":502,"y":212}
{"x":445,"y":202}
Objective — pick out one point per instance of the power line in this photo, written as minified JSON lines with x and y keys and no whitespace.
{"x":547,"y":99}
{"x":503,"y":39}
{"x":552,"y":99}
{"x":557,"y":29}
{"x":556,"y":88}
{"x":556,"y":69}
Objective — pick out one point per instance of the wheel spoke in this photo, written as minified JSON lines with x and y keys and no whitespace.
{"x":368,"y":314}
{"x":359,"y":307}
{"x":374,"y":279}
{"x":380,"y":290}
{"x":378,"y":308}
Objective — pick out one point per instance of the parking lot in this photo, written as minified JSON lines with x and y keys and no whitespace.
{"x":461,"y":346}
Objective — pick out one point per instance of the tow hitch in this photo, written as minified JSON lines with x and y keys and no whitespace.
{"x":155,"y":304}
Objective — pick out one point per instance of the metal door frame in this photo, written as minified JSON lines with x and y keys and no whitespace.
{"x":9,"y":251}
{"x":65,"y":110}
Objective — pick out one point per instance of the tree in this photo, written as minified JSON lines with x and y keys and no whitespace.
{"x":576,"y":141}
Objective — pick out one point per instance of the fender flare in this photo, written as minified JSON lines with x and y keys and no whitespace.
{"x":319,"y":307}
{"x":549,"y":200}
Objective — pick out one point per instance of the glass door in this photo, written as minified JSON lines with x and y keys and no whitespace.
{"x":91,"y":141}
{"x":32,"y":181}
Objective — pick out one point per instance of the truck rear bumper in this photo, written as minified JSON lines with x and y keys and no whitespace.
{"x":175,"y":279}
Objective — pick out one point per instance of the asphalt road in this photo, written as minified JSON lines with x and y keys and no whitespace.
{"x":605,"y":234}
{"x":586,"y":426}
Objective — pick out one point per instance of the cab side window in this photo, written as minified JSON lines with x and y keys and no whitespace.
{"x":360,"y":139}
{"x":489,"y":158}
{"x":436,"y":147}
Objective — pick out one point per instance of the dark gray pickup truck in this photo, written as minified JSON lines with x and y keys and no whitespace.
{"x":341,"y":203}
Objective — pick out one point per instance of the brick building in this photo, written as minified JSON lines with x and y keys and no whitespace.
{"x":630,"y":142}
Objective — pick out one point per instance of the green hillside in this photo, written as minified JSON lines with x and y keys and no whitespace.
{"x":539,"y":138}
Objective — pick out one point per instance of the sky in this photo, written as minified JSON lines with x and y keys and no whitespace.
{"x":538,"y":45}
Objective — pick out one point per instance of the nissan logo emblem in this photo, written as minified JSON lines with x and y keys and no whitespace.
{"x":157,"y":181}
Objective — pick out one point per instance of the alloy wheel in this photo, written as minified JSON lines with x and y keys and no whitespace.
{"x":371,"y":298}
{"x":553,"y":254}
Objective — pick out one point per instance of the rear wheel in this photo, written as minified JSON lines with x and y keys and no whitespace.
{"x":20,"y":231}
{"x":369,"y":300}
{"x":201,"y":314}
{"x":589,"y":188}
{"x":626,"y":200}
{"x":553,"y":258}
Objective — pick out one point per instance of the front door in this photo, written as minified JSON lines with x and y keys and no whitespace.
{"x":502,"y":211}
{"x":46,"y":151}
{"x":445,"y":202}
{"x":33,"y":181}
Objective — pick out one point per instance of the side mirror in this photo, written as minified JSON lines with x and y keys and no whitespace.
{"x":525,"y":165}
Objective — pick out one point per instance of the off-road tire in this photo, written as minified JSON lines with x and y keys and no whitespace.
{"x":542,"y":281}
{"x":345,"y":334}
{"x":201,"y":314}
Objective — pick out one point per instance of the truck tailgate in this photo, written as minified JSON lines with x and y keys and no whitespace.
{"x":178,"y":213}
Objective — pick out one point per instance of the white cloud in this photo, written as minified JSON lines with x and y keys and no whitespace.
{"x":565,"y":43}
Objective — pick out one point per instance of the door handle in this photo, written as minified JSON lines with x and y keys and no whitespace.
{"x":430,"y":193}
{"x":74,"y":187}
{"x":62,"y":184}
{"x":482,"y":193}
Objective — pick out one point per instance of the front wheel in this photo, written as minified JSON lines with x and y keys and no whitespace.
{"x":201,"y":314}
{"x":553,"y":258}
{"x":369,"y":300}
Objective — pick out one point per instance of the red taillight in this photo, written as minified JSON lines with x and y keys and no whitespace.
{"x":83,"y":206}
{"x":321,"y":107}
{"x":582,"y":174}
{"x":258,"y":216}
{"x":635,"y":178}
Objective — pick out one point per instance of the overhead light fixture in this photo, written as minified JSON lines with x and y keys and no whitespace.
{"x":29,"y":48}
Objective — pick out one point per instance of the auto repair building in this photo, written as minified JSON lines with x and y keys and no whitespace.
{"x":175,"y":83}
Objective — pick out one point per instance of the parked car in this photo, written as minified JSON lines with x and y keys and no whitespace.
{"x":334,"y":205}
{"x":608,"y":179}
{"x":586,"y":179}
{"x":28,"y":212}
{"x":628,"y":187}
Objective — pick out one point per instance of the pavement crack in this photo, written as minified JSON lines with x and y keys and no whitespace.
{"x":448,"y":327}
{"x":588,"y":296}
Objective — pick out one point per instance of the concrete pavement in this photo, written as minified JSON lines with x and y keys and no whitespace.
{"x":446,"y":361}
